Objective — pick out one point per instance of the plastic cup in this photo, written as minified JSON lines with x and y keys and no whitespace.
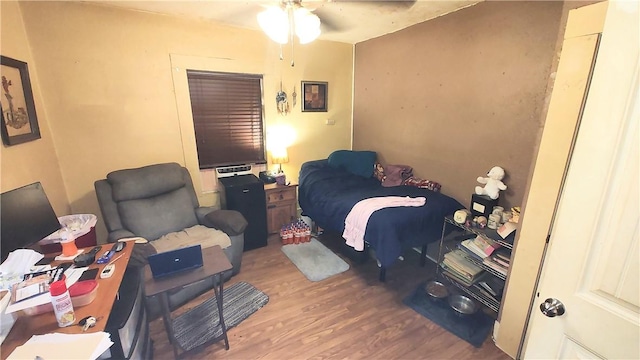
{"x":69,"y":247}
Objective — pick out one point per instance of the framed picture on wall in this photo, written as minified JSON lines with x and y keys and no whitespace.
{"x":314,"y":96}
{"x":19,"y":121}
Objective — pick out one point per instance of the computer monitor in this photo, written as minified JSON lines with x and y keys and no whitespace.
{"x":26,"y":217}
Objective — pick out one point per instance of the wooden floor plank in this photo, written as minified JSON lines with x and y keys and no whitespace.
{"x":348,"y":316}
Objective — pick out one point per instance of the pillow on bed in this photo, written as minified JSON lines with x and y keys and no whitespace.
{"x":395,"y":175}
{"x":359,"y":163}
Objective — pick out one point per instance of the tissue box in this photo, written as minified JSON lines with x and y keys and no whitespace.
{"x":281,"y":179}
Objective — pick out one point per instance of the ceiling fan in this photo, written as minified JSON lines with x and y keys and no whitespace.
{"x":288,"y":17}
{"x":281,"y":22}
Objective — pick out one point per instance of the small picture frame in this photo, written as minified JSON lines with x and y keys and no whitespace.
{"x":19,"y":120}
{"x":315,"y":96}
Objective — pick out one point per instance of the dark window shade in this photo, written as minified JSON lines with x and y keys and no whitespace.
{"x":227,"y":117}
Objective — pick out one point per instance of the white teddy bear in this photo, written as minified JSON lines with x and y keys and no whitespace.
{"x":493,"y":183}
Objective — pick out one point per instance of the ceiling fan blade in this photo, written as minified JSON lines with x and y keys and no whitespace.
{"x":401,"y":4}
{"x":335,"y":15}
{"x":329,"y":23}
{"x":243,"y":14}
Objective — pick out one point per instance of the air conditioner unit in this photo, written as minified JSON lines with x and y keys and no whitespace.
{"x":228,"y":171}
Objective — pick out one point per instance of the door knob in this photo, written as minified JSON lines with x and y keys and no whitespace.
{"x":552,"y":307}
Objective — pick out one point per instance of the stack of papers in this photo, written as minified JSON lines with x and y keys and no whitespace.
{"x":457,"y":265}
{"x":72,"y":276}
{"x":18,"y":263}
{"x":6,"y":320}
{"x":496,"y":266}
{"x":486,"y":245}
{"x":456,"y":260}
{"x":470,"y":246}
{"x":63,"y":346}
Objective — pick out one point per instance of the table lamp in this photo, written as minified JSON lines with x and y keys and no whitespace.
{"x":279,"y":156}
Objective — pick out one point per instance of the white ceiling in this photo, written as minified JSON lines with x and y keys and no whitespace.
{"x":342,"y":20}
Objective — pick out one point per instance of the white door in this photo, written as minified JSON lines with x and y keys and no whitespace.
{"x":592,"y":260}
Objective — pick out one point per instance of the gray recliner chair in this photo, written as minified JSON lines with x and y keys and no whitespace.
{"x":156,"y":200}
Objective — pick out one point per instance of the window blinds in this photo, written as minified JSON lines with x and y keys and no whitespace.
{"x":227,"y":117}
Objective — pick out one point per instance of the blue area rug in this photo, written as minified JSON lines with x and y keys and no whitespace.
{"x":315,"y":260}
{"x":473,"y":329}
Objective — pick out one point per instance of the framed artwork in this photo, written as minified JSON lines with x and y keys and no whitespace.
{"x":19,"y":121}
{"x":315,"y":96}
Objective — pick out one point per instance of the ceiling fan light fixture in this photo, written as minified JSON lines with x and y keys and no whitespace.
{"x":275,"y":23}
{"x":307,"y":25}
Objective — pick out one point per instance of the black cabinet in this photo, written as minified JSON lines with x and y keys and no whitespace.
{"x":127,"y":323}
{"x":245,"y":193}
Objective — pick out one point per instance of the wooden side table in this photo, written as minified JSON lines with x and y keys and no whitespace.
{"x":182,"y":330}
{"x":282,"y":205}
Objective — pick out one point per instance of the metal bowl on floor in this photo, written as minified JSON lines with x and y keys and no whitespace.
{"x":436,"y":290}
{"x":463,"y":305}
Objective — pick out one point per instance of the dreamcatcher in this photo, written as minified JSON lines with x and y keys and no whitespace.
{"x":294,"y":95}
{"x":281,"y":101}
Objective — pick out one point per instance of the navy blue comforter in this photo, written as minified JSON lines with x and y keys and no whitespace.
{"x":327,"y":194}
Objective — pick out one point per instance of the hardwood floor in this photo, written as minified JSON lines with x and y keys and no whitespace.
{"x":348,"y":316}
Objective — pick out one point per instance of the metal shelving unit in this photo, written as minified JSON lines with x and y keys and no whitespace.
{"x":486,"y":232}
{"x":476,"y":294}
{"x":488,"y":269}
{"x":451,"y":243}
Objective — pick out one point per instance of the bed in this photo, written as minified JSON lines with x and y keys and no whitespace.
{"x":328,"y":192}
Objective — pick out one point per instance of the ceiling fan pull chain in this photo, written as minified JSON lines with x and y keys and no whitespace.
{"x":292,"y":28}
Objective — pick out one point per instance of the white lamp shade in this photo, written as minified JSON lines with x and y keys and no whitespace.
{"x":279,"y":156}
{"x":307,"y":25}
{"x":275,"y":23}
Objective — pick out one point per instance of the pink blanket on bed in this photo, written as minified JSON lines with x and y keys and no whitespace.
{"x":355,"y":224}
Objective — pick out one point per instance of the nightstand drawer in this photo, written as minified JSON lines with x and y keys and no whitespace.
{"x":275,"y":196}
{"x":282,"y":206}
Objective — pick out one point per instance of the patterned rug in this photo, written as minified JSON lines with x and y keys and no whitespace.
{"x":200,"y":324}
{"x":315,"y":260}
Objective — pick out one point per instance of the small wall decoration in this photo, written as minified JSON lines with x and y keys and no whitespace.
{"x":19,"y":121}
{"x":315,"y":96}
{"x":281,"y":101}
{"x":294,"y":95}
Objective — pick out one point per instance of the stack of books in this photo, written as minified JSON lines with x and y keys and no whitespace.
{"x":459,"y":267}
{"x":499,"y":261}
{"x":479,"y":247}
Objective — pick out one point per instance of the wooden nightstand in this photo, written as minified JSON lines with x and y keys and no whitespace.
{"x":282,"y":205}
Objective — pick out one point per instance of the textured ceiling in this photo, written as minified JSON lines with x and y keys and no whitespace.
{"x":343,"y":21}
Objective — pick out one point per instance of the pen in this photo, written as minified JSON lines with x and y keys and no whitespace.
{"x":114,"y":260}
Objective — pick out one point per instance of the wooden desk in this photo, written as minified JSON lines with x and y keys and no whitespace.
{"x":26,"y":326}
{"x":215,"y":264}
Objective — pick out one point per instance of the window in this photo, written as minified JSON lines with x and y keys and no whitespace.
{"x":227,"y":117}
